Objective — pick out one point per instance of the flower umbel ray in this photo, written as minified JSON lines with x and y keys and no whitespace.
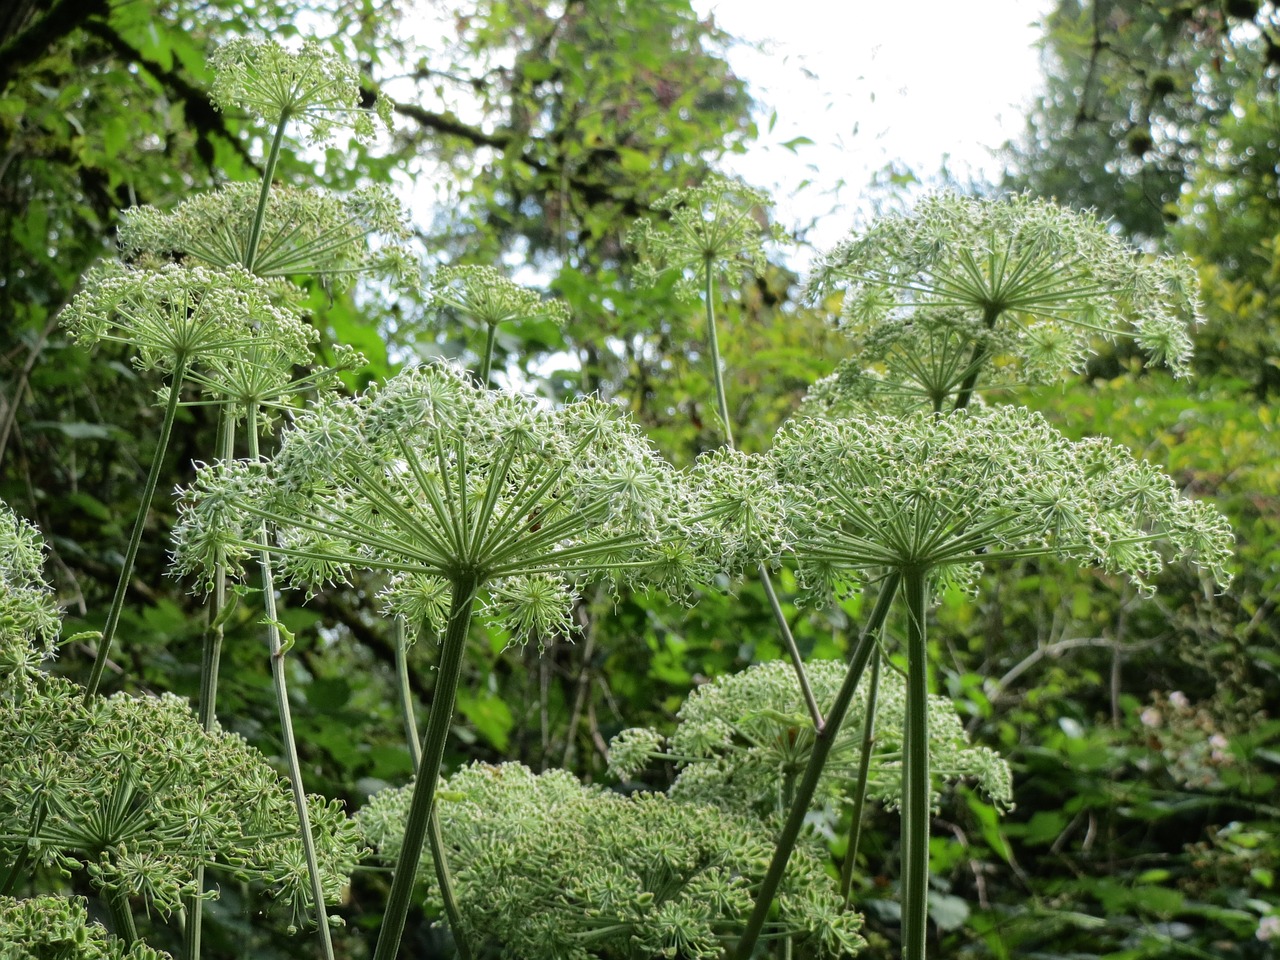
{"x":926,"y":491}
{"x":432,"y":477}
{"x":1039,"y":283}
{"x":304,"y":232}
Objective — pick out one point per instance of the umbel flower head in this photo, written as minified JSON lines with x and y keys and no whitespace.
{"x":709,"y":227}
{"x":177,"y":314}
{"x":314,"y":87}
{"x":446,"y":485}
{"x":58,"y":927}
{"x":135,"y":793}
{"x":305,"y":232}
{"x":547,"y":867}
{"x":484,"y":295}
{"x":922,"y":358}
{"x":740,"y":738}
{"x":941,"y":492}
{"x":29,"y":615}
{"x":1047,"y":282}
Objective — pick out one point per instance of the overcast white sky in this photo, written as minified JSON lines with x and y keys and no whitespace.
{"x":873,"y":82}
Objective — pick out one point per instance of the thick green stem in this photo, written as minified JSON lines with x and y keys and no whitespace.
{"x":260,"y":214}
{"x":822,"y":744}
{"x":916,"y":779}
{"x":424,"y":789}
{"x":135,"y":540}
{"x":122,"y":923}
{"x":860,"y":785}
{"x":434,"y":835}
{"x":279,"y":681}
{"x":976,"y":359}
{"x":486,"y":361}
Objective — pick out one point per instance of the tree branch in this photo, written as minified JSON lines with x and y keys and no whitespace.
{"x":31,"y":44}
{"x":201,"y":114}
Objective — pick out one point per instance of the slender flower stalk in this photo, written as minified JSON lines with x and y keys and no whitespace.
{"x":278,"y":649}
{"x":713,"y":228}
{"x":824,"y":739}
{"x":858,"y":802}
{"x":439,"y":856}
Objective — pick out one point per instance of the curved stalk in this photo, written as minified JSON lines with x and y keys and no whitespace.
{"x":279,"y":682}
{"x":822,"y":744}
{"x":784,"y":629}
{"x":211,"y":650}
{"x":434,"y":835}
{"x":424,"y":788}
{"x":487,"y":359}
{"x":793,"y":651}
{"x":860,"y":786}
{"x":135,"y":539}
{"x":916,"y":779}
{"x":19,"y":864}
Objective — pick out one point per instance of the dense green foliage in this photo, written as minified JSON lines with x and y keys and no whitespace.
{"x":1139,"y":731}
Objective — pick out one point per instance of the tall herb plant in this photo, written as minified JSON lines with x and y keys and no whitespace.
{"x":900,"y":476}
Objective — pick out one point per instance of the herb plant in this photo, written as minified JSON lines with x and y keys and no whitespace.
{"x":448,"y":504}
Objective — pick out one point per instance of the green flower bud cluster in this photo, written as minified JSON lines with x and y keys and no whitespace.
{"x":545,"y":866}
{"x":439,"y":482}
{"x":742,"y":737}
{"x":135,"y":793}
{"x":314,"y":87}
{"x":29,"y":615}
{"x":1035,"y":286}
{"x":716,"y":225}
{"x":58,"y":928}
{"x":927,"y":491}
{"x":304,"y":232}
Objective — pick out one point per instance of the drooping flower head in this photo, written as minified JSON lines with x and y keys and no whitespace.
{"x":740,"y":738}
{"x":941,"y":493}
{"x":546,"y":866}
{"x":309,"y":232}
{"x":440,"y":484}
{"x":714,"y":226}
{"x":1043,"y":283}
{"x":314,"y":87}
